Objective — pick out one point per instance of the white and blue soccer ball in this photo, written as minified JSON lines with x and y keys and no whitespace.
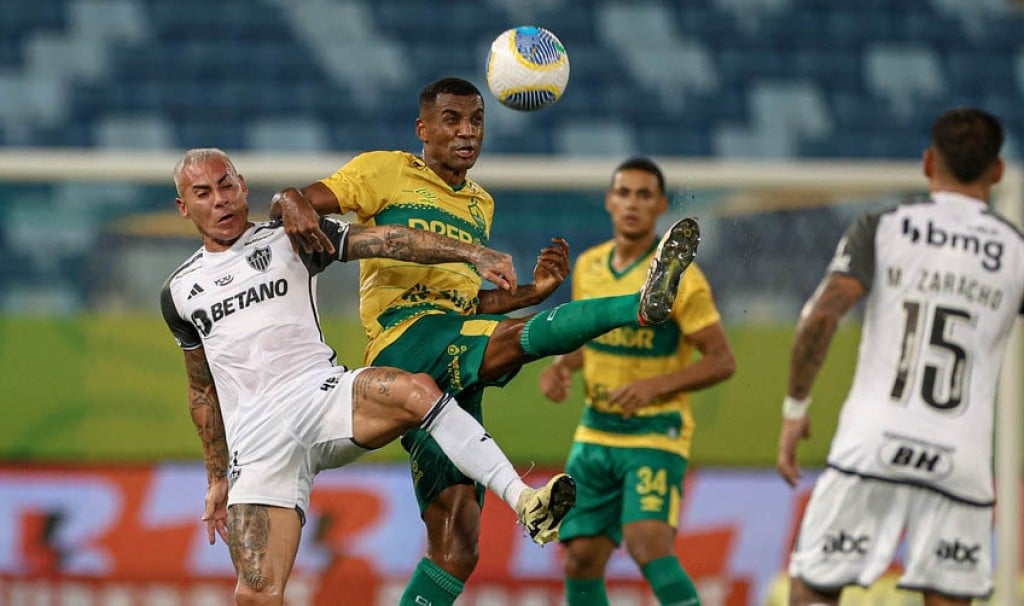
{"x":527,"y":68}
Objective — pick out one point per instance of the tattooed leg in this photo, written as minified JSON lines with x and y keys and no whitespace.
{"x":386,"y":402}
{"x":263,"y":541}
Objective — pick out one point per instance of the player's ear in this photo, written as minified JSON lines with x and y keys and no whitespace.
{"x":182,"y":209}
{"x":997,"y":170}
{"x":928,"y":163}
{"x":421,"y":130}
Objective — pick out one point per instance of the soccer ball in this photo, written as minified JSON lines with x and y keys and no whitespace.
{"x":527,"y":68}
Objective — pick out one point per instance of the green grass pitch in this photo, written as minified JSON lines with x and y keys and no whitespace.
{"x":111,"y":389}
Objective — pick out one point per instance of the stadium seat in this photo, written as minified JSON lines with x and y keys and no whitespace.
{"x":287,"y":134}
{"x":79,"y":67}
{"x":781,"y":116}
{"x":903,"y":74}
{"x":644,"y":34}
{"x":750,"y":14}
{"x":152,"y":132}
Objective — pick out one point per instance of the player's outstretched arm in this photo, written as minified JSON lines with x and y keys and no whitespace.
{"x":421,"y":246}
{"x":204,"y":408}
{"x":300,"y":212}
{"x":551,"y":270}
{"x":819,"y":319}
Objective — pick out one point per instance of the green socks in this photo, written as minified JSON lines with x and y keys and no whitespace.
{"x":431,"y":585}
{"x":670,"y":582}
{"x":567,"y":327}
{"x":585,"y":592}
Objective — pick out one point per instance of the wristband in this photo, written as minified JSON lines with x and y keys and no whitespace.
{"x":793,"y":409}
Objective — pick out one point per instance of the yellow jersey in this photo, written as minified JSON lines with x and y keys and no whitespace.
{"x":397,"y":188}
{"x":636,"y":352}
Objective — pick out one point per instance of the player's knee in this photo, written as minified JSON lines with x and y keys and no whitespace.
{"x":250,"y":594}
{"x":645,"y":552}
{"x":649,"y":540}
{"x":422,"y":393}
{"x":458,"y":553}
{"x":576,"y":567}
{"x":581,"y":563}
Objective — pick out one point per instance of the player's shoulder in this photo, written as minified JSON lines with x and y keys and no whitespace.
{"x":596,"y":253}
{"x":867,"y":222}
{"x":1008,"y":225}
{"x":189,"y":267}
{"x":695,"y":272}
{"x":694,"y":279}
{"x":383,"y":156}
{"x":378,"y":160}
{"x":926,"y":206}
{"x":262,"y":233}
{"x":913,"y":203}
{"x":192,"y":264}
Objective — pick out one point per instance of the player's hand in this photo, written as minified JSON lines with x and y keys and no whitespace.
{"x":552,"y":267}
{"x":555,"y":382}
{"x":215,"y":513}
{"x":793,"y":430}
{"x":497,"y":268}
{"x":302,"y":223}
{"x":633,"y":397}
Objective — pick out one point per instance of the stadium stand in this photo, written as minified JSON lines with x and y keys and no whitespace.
{"x":92,"y":72}
{"x":704,"y":78}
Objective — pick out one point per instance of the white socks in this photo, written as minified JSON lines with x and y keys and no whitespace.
{"x":472,"y":449}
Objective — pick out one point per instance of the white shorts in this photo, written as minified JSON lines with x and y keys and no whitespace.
{"x":852,"y":527}
{"x":276,"y":464}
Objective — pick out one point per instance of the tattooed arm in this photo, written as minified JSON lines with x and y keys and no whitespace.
{"x":421,"y":246}
{"x":205,"y":410}
{"x":836,"y":294}
{"x":551,"y":270}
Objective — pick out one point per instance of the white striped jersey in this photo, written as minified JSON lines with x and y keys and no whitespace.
{"x":252,"y":308}
{"x":945,"y":276}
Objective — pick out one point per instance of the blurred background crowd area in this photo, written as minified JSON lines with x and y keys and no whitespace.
{"x":718,"y":79}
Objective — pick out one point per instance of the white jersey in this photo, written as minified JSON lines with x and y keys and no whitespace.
{"x":252,"y":308}
{"x":945,"y":277}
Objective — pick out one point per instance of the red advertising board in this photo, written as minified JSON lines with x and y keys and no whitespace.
{"x":132,"y":536}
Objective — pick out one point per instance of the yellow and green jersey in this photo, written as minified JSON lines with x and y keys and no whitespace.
{"x":397,"y":188}
{"x":631,"y":353}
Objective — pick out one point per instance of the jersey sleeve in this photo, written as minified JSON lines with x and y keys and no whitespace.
{"x":337,"y":232}
{"x":364,"y":184}
{"x":855,"y":253}
{"x":694,"y":309}
{"x":184,"y":332}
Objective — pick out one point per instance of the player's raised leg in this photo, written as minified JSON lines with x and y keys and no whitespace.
{"x":675,"y":252}
{"x":570,"y":325}
{"x":387,"y":402}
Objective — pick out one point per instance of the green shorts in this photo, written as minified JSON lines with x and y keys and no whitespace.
{"x":450,"y":348}
{"x":616,"y":486}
